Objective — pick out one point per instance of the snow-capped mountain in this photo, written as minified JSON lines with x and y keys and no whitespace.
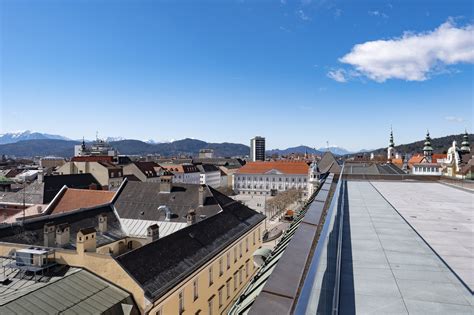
{"x":336,"y":150}
{"x":12,"y":137}
{"x":112,"y":139}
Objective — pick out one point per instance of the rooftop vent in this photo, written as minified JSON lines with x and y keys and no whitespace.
{"x":167,"y":211}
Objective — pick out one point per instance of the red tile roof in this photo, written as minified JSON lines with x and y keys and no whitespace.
{"x":285,"y":167}
{"x":416,"y":159}
{"x":74,"y":199}
{"x":438,"y":156}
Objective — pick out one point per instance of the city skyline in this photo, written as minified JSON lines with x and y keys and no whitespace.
{"x":292,"y":67}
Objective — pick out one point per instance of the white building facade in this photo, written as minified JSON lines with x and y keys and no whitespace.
{"x":269,"y":178}
{"x":210,"y":175}
{"x":184,"y":173}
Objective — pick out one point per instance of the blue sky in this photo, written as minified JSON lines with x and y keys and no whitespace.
{"x":228,"y":70}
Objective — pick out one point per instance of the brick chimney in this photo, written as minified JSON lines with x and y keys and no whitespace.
{"x":153,"y":233}
{"x":63,"y":234}
{"x":103,"y":223}
{"x":49,"y":234}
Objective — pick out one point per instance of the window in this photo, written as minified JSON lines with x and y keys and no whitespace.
{"x":235,"y":254}
{"x":112,"y":174}
{"x":198,"y":312}
{"x":181,"y":302}
{"x":227,"y":287}
{"x":228,"y":260}
{"x":240,"y":250}
{"x":195,"y":289}
{"x":221,"y":267}
{"x":210,"y":304}
{"x":235,"y":281}
{"x":247,"y":244}
{"x":253,"y":237}
{"x":247,"y":269}
{"x":240,"y":275}
{"x":210,"y":276}
{"x":220,"y":296}
{"x":159,"y":311}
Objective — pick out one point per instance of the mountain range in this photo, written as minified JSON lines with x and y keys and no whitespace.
{"x":13,"y":137}
{"x":65,"y":148}
{"x":29,"y":143}
{"x":305,"y":149}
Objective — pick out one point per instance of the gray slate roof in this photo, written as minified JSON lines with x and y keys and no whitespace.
{"x":139,"y":200}
{"x":329,"y":164}
{"x":31,"y":232}
{"x":162,"y":264}
{"x":60,"y":290}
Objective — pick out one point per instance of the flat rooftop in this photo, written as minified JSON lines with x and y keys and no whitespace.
{"x":387,"y":267}
{"x":444,"y":218}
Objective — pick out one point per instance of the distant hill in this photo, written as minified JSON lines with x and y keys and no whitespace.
{"x":65,"y":148}
{"x":302,"y":149}
{"x":336,"y":150}
{"x":298,"y":149}
{"x":12,"y":137}
{"x":440,"y":145}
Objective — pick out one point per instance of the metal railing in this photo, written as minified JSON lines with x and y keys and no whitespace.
{"x":307,"y":303}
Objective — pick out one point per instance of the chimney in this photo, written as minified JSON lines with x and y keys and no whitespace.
{"x":103,"y":223}
{"x":201,"y":195}
{"x":191,"y":217}
{"x":63,"y":234}
{"x":49,"y":234}
{"x":86,"y":240}
{"x":41,"y":175}
{"x":166,"y":182}
{"x":153,"y":233}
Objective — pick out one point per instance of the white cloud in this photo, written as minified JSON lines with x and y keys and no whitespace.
{"x":454,"y":119}
{"x":302,"y":15}
{"x":378,"y":13}
{"x":283,"y":1}
{"x":413,"y":57}
{"x":338,"y":75}
{"x":284,"y":29}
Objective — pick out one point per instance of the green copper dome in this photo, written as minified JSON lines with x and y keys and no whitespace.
{"x":427,"y":147}
{"x":465,"y":146}
{"x":391,"y":143}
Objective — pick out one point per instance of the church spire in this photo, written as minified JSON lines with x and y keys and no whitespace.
{"x":391,"y":143}
{"x":391,"y":147}
{"x":427,"y":149}
{"x":465,"y":147}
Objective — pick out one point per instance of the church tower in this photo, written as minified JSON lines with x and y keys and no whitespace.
{"x":391,"y":147}
{"x":465,"y":147}
{"x":313,"y":178}
{"x":427,"y":149}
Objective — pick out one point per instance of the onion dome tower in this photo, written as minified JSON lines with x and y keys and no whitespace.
{"x":427,"y":149}
{"x":465,"y":147}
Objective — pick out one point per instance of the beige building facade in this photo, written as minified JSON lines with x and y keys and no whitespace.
{"x":108,"y":175}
